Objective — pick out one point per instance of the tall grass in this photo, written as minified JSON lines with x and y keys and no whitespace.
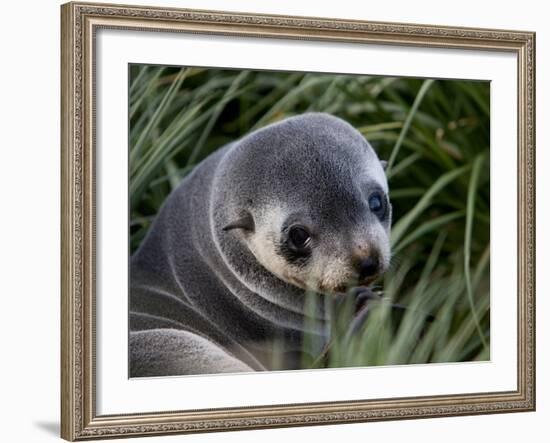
{"x":435,"y":135}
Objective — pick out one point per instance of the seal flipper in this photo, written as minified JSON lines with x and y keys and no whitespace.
{"x":162,"y":352}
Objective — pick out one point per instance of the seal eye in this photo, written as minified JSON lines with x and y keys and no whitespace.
{"x":376,"y":203}
{"x":299,"y":237}
{"x":295,"y":245}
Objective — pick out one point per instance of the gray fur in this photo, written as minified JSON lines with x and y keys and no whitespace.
{"x":209,"y":290}
{"x":175,"y":352}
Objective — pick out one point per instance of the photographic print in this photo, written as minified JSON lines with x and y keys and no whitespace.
{"x":302,"y":220}
{"x":254,"y":206}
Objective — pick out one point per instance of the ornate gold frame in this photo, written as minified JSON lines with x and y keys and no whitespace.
{"x":79,"y":21}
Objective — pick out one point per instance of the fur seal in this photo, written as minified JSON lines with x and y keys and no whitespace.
{"x":221,"y":277}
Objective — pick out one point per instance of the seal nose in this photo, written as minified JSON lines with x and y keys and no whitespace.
{"x":368,"y":267}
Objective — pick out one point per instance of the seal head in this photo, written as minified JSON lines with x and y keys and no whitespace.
{"x":308,"y":197}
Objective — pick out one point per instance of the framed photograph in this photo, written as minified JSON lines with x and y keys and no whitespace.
{"x":282,"y":221}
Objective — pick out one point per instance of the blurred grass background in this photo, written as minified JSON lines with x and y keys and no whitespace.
{"x":435,"y":135}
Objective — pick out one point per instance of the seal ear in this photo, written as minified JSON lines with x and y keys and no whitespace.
{"x":246,"y":223}
{"x":384,"y":164}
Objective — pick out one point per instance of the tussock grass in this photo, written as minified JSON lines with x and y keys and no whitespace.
{"x":435,"y":135}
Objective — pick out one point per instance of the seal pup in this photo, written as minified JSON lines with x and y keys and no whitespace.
{"x":222,"y":275}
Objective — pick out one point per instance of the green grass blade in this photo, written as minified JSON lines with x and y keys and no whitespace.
{"x":404,"y":164}
{"x":421,"y":93}
{"x":159,"y":112}
{"x":141,"y":92}
{"x":215,"y":115}
{"x":426,"y":228}
{"x":294,"y":94}
{"x":368,"y":129}
{"x":400,"y":228}
{"x":474,"y":178}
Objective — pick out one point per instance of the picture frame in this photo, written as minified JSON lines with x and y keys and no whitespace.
{"x":80,"y":177}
